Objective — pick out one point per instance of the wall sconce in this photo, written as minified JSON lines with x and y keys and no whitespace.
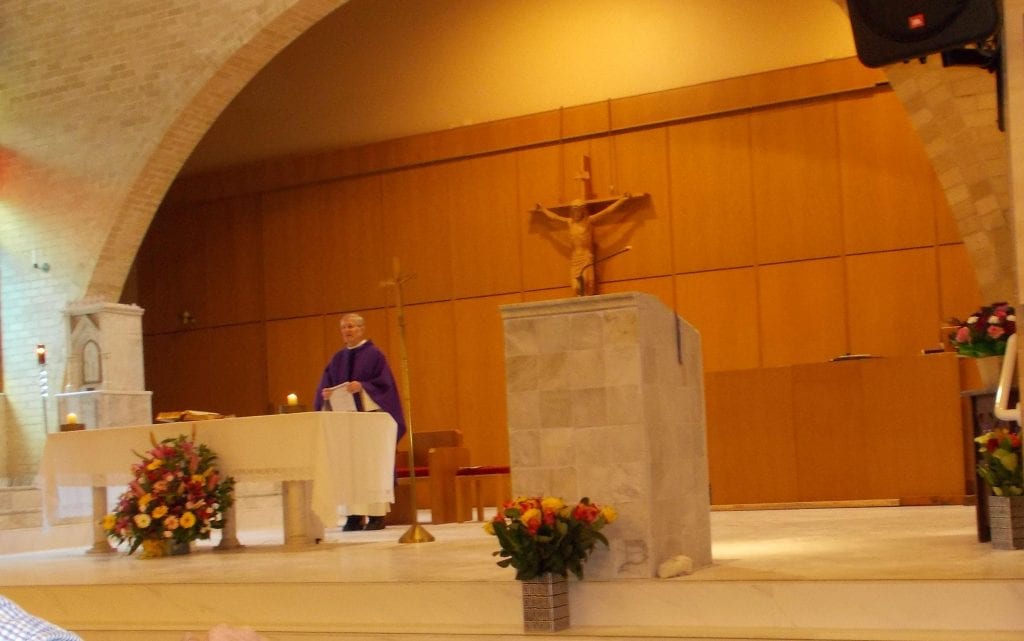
{"x":187,"y":318}
{"x":37,"y":265}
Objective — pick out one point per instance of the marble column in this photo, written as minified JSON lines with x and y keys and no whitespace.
{"x":606,"y":400}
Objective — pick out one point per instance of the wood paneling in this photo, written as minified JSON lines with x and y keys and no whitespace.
{"x":836,"y":456}
{"x":485,"y":227}
{"x":170,"y":274}
{"x":293,"y":252}
{"x":911,"y":407}
{"x":887,"y":180}
{"x":218,"y":370}
{"x":711,"y":189}
{"x":431,"y":344}
{"x":639,"y":165}
{"x":295,"y":349}
{"x":353,"y":245}
{"x":894,"y":302}
{"x":236,"y":225}
{"x":947,"y":231}
{"x":723,"y":306}
{"x":802,"y":312}
{"x":480,"y":378}
{"x":959,"y":294}
{"x":417,"y":218}
{"x":751,"y":445}
{"x":545,"y":246}
{"x":796,"y":182}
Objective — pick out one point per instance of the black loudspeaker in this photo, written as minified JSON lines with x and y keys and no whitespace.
{"x":888,"y":31}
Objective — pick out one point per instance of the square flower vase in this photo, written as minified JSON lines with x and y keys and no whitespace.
{"x":546,"y":604}
{"x":1006,"y":520}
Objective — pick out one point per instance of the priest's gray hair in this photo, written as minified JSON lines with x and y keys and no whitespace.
{"x":355,"y":318}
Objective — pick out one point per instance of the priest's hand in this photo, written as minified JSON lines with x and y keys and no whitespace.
{"x":354,"y":387}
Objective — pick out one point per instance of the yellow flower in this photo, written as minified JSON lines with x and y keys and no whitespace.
{"x":188,"y":519}
{"x":533,"y":514}
{"x":109,"y":521}
{"x":142,"y":520}
{"x":609,"y":514}
{"x":198,"y":478}
{"x":552,"y":504}
{"x":488,"y":527}
{"x":155,"y":463}
{"x":159,"y":511}
{"x":144,"y":501}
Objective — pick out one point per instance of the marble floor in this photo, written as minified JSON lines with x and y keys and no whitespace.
{"x":873,"y":543}
{"x":871,"y":573}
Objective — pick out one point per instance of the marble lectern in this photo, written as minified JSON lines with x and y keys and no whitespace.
{"x":606,"y":400}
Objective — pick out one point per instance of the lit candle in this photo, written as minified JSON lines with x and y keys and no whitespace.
{"x":71,"y":419}
{"x":293,"y":399}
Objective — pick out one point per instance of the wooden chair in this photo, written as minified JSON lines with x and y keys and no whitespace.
{"x":437,"y":455}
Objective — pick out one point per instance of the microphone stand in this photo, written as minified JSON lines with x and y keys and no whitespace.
{"x":580,"y":285}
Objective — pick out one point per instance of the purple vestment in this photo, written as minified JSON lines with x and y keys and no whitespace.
{"x":367,"y":365}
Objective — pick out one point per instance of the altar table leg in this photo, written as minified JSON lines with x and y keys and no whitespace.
{"x":100,"y":545}
{"x":229,"y":533}
{"x":300,"y":526}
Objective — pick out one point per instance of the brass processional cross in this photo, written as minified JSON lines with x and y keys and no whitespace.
{"x":416,"y":532}
{"x":579,"y":218}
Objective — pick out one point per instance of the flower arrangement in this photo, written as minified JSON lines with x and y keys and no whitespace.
{"x":544,"y":535}
{"x":984,"y":333}
{"x":177,"y":495}
{"x":1000,"y":464}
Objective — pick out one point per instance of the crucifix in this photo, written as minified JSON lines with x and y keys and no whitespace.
{"x":579,"y":219}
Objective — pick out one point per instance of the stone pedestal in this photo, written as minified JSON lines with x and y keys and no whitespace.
{"x":606,"y":400}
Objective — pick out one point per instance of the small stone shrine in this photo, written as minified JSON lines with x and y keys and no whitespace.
{"x":105,"y":371}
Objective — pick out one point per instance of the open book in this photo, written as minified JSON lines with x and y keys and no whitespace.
{"x":342,"y":401}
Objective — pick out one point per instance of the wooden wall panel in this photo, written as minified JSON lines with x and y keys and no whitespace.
{"x":431,"y":344}
{"x":723,"y":306}
{"x":711,"y":191}
{"x":354,"y":250}
{"x":918,"y":397}
{"x":639,"y":165}
{"x":485,"y":227}
{"x":293,"y":252}
{"x":831,"y":443}
{"x":752,"y":454}
{"x":893,"y":302}
{"x":230,"y":232}
{"x":959,"y":294}
{"x":219,"y":370}
{"x":418,"y":207}
{"x":170,"y":273}
{"x":295,"y":361}
{"x":480,"y":378}
{"x":887,"y":179}
{"x":802,"y":312}
{"x":796,"y":182}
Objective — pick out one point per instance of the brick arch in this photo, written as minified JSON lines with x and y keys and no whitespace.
{"x":139,"y":204}
{"x":954,"y":111}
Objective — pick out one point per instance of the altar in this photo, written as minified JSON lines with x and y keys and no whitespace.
{"x":324,"y":460}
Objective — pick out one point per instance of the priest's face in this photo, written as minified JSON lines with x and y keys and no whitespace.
{"x":351,"y":331}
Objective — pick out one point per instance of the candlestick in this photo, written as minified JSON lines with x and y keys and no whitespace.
{"x":293,"y":399}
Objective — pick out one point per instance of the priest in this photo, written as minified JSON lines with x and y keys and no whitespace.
{"x":358,"y":378}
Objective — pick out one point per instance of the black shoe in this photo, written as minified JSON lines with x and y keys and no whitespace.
{"x":353,"y":523}
{"x":374,"y":523}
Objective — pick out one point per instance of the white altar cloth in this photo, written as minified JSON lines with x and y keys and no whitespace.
{"x":348,"y":456}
